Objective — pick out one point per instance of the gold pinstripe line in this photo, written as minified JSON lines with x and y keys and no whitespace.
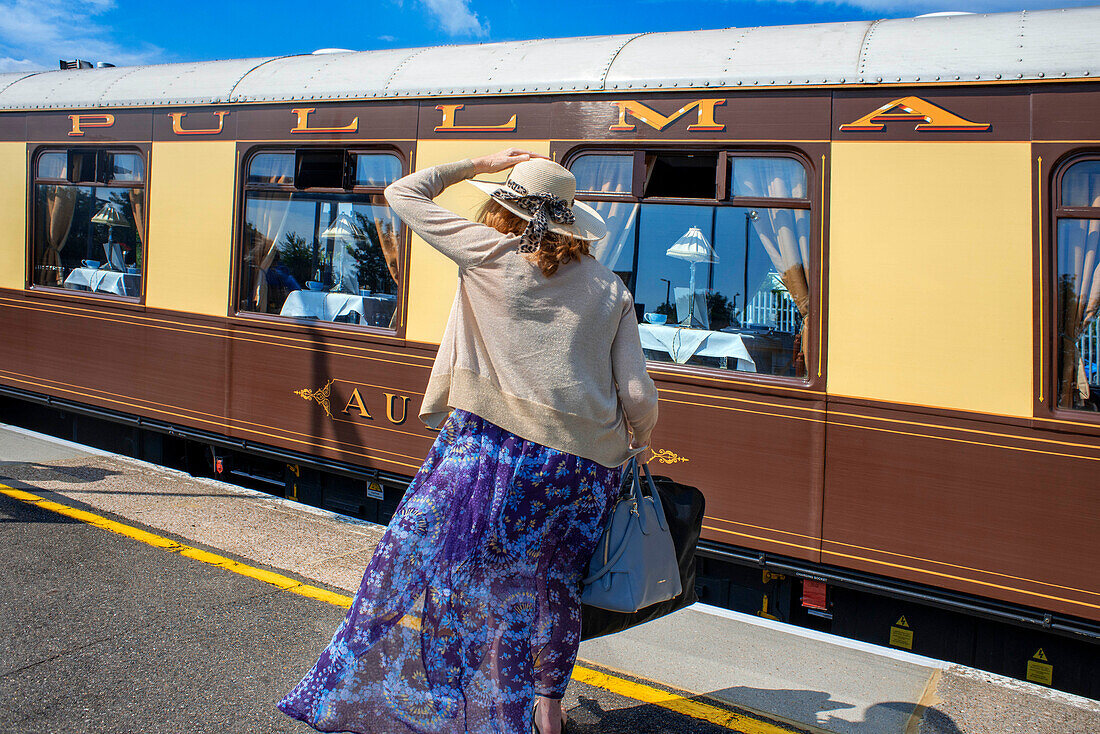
{"x":814,"y":548}
{"x":96,"y":392}
{"x":821,"y":272}
{"x":223,"y":424}
{"x":1042,"y":317}
{"x":962,"y":567}
{"x":961,"y":440}
{"x":963,"y":579}
{"x":890,"y":552}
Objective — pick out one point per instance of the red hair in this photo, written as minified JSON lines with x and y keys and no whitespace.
{"x":555,"y":250}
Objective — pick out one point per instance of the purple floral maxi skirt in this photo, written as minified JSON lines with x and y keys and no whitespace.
{"x":470,"y":606}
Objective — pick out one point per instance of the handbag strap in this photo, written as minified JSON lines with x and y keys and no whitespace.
{"x":635,"y":516}
{"x":658,"y":506}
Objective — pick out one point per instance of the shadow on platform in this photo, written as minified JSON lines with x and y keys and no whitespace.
{"x":794,"y":710}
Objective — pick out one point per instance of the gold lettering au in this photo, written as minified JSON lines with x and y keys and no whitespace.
{"x":82,"y":121}
{"x":357,"y":400}
{"x":390,"y":400}
{"x":928,"y":117}
{"x":657,"y":121}
{"x":303,"y":114}
{"x":449,"y":125}
{"x":178,"y":129}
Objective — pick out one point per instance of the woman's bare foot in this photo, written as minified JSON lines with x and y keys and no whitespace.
{"x":548,"y":715}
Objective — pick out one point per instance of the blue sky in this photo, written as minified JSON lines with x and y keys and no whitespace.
{"x":34,"y":34}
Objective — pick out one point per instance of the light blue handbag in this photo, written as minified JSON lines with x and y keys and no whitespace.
{"x":634,"y":565}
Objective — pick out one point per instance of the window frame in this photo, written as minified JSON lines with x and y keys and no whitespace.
{"x":814,"y":380}
{"x":1059,"y":212}
{"x":35,"y":152}
{"x":245,"y":155}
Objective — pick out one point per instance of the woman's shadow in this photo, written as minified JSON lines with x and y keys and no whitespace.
{"x":605,"y":715}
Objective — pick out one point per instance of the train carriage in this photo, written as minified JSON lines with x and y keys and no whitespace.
{"x":864,"y":257}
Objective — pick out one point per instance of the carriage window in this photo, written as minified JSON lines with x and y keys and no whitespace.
{"x":319,"y":241}
{"x":89,"y":221}
{"x":1077,"y":287}
{"x":372,"y":169}
{"x":603,"y":173}
{"x":722,"y":279}
{"x":681,"y":175}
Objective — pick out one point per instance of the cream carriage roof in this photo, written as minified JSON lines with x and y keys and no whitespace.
{"x":1029,"y":45}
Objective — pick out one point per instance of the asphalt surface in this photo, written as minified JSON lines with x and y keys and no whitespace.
{"x":113,"y":635}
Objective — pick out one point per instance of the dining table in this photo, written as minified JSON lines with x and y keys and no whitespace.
{"x":103,"y":280}
{"x":373,"y":310}
{"x":682,"y":343}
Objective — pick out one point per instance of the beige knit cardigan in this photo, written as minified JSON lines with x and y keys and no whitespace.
{"x":556,"y":360}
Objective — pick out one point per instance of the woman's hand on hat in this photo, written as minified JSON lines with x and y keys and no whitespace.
{"x":504,"y":159}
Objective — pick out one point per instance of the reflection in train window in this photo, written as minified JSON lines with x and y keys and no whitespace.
{"x":89,"y":221}
{"x":319,"y":241}
{"x":603,"y":173}
{"x":1077,"y":287}
{"x":721,"y":279}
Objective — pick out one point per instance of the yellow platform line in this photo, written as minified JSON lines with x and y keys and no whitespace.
{"x":613,"y":684}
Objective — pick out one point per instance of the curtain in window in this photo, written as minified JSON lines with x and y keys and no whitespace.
{"x":1079,"y":281}
{"x":387,"y":227}
{"x":613,"y":177}
{"x":268,"y":225}
{"x":137,"y":207}
{"x":784,"y":233}
{"x":60,"y":204}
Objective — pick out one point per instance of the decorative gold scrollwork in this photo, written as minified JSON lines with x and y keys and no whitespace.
{"x":320,"y":395}
{"x":667,"y":457}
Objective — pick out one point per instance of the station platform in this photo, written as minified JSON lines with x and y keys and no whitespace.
{"x":146,"y":599}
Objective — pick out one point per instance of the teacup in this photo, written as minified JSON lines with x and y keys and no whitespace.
{"x":656,"y":318}
{"x":93,"y":264}
{"x":314,"y":285}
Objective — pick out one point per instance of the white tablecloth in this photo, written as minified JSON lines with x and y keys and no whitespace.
{"x":105,"y":281}
{"x":374,"y":310}
{"x":683,"y":344}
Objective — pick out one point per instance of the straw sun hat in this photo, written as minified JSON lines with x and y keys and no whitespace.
{"x":541,"y":192}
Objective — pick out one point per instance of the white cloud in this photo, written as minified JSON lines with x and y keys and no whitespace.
{"x":456,"y":18}
{"x":34,"y":34}
{"x":387,"y":38}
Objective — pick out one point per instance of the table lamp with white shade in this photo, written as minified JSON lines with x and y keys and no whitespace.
{"x":344,"y":226}
{"x":110,"y":216}
{"x":693,"y":247}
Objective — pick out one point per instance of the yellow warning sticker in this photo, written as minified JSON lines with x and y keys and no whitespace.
{"x":1042,"y":673}
{"x":901,"y":637}
{"x":1039,"y":655}
{"x":374,"y":491}
{"x":902,"y":622}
